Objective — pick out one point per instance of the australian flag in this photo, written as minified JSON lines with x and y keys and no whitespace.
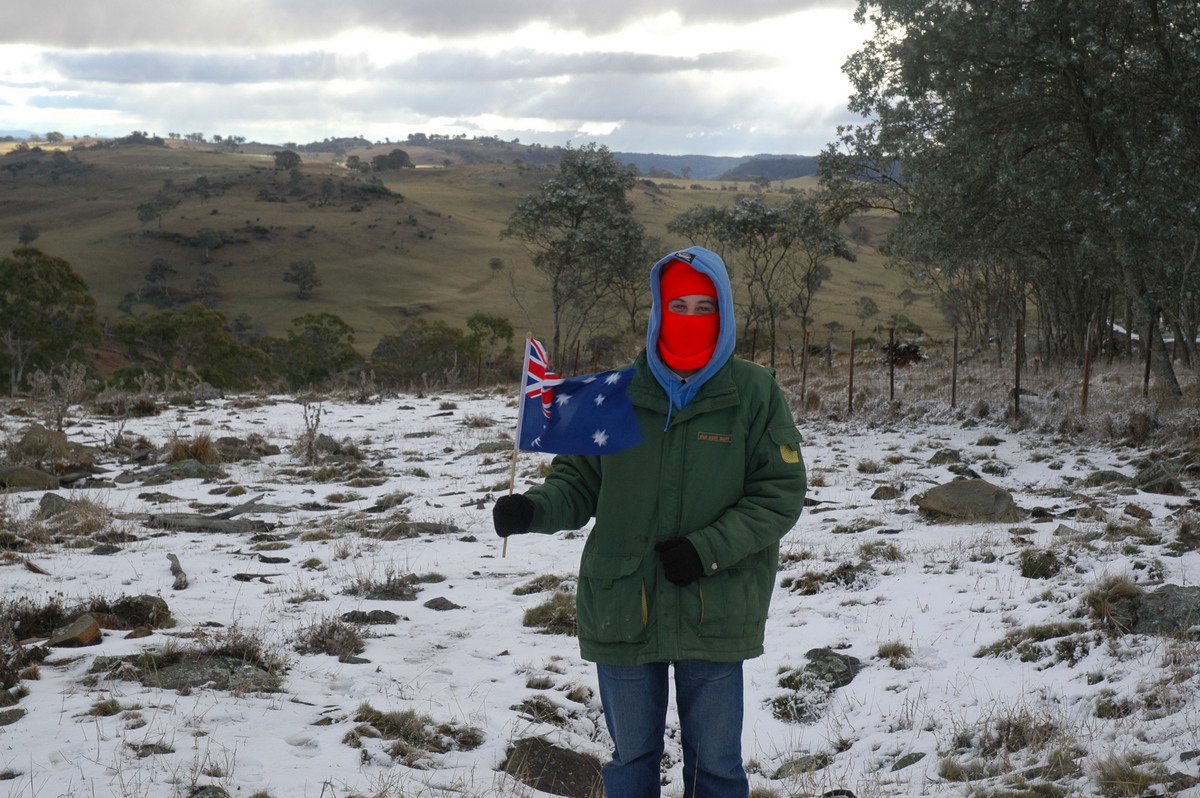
{"x":591,"y":414}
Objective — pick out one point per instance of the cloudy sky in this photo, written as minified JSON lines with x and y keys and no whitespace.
{"x":717,"y":77}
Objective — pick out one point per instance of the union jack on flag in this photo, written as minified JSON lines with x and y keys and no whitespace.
{"x":591,"y":414}
{"x":539,"y":379}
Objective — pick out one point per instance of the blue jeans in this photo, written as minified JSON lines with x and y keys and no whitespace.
{"x":709,"y":696}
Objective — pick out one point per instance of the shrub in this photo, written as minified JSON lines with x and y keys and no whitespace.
{"x":393,"y":587}
{"x":868,"y":466}
{"x":1039,"y":563}
{"x":879,"y":550}
{"x":849,"y":575}
{"x":806,"y":697}
{"x":1027,"y":643}
{"x":416,"y":735}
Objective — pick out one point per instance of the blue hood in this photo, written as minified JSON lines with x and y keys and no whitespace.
{"x":709,"y":263}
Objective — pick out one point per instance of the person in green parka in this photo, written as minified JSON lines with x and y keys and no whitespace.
{"x":678,"y":569}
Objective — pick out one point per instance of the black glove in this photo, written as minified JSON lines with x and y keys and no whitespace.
{"x":512,"y":515}
{"x":681,"y":561}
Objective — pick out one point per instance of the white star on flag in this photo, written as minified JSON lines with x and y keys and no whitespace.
{"x":612,"y":379}
{"x":600,"y":437}
{"x":599,"y":400}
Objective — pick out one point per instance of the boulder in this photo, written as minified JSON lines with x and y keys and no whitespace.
{"x":19,"y":477}
{"x":209,"y":791}
{"x":1171,"y":610}
{"x":10,"y":716}
{"x":41,"y":445}
{"x":1159,"y":478}
{"x":183,"y":469}
{"x":373,"y":617}
{"x":886,"y":493}
{"x":143,"y":610}
{"x":971,"y":500}
{"x":1098,"y":478}
{"x":549,"y":768}
{"x":801,"y":765}
{"x":217,"y":672}
{"x":234,"y":449}
{"x":832,"y":668}
{"x":908,"y":760}
{"x":83,"y":631}
{"x":51,"y":505}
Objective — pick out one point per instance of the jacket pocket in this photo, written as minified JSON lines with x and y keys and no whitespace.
{"x":612,"y":604}
{"x":730,"y":603}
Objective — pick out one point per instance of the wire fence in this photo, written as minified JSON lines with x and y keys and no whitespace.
{"x":843,"y":376}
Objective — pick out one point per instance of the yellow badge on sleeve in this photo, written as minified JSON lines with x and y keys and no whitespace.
{"x":789,"y":453}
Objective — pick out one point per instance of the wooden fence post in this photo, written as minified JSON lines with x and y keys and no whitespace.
{"x":1149,"y":355}
{"x":891,"y":364}
{"x":804,"y":371}
{"x":1087,"y":369}
{"x":954,"y":372}
{"x":850,"y":393}
{"x":1020,"y":356}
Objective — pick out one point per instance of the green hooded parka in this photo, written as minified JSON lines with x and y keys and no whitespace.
{"x":724,"y":471}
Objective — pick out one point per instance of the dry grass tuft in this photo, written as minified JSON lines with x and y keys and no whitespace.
{"x":1112,"y":603}
{"x":556,"y":615}
{"x":330,"y":636}
{"x":200,"y":448}
{"x":897,"y":654}
{"x":1128,"y":775}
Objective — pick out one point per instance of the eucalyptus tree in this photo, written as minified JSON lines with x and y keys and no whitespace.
{"x":195,"y":339}
{"x":1055,"y":140}
{"x":47,"y":314}
{"x":778,"y":252}
{"x":580,"y":232}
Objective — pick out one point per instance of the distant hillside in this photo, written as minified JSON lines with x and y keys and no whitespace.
{"x":772,"y":167}
{"x":389,"y":246}
{"x":698,"y":167}
{"x":713,"y":167}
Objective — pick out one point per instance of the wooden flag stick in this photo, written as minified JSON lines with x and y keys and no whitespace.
{"x":512,"y":479}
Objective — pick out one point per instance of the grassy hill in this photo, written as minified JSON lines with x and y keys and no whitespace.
{"x":419,"y":244}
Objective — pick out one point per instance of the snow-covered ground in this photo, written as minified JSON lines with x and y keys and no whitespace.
{"x":934,"y":595}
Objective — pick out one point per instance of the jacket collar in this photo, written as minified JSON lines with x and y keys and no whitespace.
{"x":717,"y":392}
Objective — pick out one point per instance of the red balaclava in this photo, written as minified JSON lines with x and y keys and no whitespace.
{"x":686,"y":342}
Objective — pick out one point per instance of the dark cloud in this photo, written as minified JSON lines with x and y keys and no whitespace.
{"x":437,"y":66}
{"x":657,"y":114}
{"x":161,"y":67}
{"x":456,"y":65}
{"x":200,"y":24}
